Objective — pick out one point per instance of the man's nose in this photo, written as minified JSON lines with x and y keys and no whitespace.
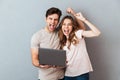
{"x":53,"y":21}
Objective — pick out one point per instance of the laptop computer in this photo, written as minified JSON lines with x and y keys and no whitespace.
{"x":52,"y":57}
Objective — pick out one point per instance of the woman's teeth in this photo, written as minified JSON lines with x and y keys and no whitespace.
{"x":66,"y":31}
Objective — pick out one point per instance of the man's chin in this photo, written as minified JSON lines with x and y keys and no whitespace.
{"x":51,"y":30}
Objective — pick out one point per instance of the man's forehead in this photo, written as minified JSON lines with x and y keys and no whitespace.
{"x":53,"y":16}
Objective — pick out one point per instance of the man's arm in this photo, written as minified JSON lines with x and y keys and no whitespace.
{"x":35,"y":59}
{"x":34,"y":55}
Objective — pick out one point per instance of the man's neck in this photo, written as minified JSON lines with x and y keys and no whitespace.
{"x":46,"y":29}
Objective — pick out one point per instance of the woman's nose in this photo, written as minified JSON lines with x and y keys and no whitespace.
{"x":66,"y":26}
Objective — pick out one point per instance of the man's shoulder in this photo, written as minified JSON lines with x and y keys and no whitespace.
{"x":39,"y":32}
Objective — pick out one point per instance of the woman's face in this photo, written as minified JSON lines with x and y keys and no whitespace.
{"x":67,"y":27}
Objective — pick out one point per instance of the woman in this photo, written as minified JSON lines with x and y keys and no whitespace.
{"x":72,"y":40}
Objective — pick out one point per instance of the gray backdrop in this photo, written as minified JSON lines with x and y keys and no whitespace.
{"x":19,"y":19}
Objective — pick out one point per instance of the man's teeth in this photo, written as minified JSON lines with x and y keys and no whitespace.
{"x":51,"y":25}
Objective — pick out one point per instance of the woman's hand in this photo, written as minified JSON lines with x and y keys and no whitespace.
{"x":70,"y":11}
{"x":80,"y":16}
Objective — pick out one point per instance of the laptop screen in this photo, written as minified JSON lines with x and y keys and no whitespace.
{"x":52,"y":57}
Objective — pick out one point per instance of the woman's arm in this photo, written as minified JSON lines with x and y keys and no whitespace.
{"x":93,"y":32}
{"x":72,"y":12}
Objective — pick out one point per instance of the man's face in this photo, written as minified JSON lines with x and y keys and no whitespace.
{"x":52,"y":21}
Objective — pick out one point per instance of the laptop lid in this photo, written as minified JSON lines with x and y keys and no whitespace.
{"x":52,"y":57}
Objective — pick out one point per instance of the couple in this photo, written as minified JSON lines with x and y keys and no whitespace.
{"x":70,"y":37}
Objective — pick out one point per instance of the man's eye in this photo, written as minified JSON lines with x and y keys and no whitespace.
{"x":50,"y":18}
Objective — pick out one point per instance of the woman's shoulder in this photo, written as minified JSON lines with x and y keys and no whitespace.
{"x":78,"y":33}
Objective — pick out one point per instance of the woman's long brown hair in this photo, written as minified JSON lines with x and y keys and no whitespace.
{"x":72,"y":38}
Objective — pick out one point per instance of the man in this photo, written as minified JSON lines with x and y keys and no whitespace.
{"x":47,"y":38}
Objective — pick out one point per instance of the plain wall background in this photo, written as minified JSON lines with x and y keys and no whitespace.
{"x":19,"y":19}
